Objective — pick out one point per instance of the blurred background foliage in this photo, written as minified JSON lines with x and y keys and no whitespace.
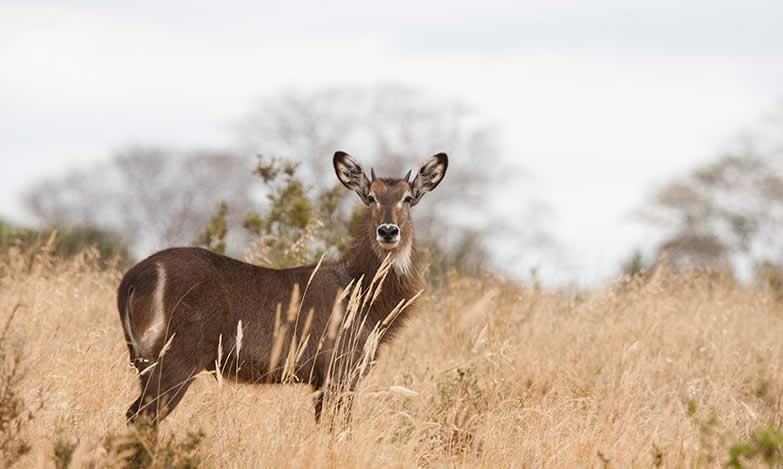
{"x":272,"y":197}
{"x":287,"y":204}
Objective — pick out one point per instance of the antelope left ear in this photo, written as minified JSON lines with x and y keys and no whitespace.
{"x":351,"y":174}
{"x":429,"y":176}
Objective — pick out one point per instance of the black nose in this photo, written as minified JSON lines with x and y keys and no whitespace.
{"x":388,"y":232}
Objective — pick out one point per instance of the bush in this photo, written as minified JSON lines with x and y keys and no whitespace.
{"x":765,"y":445}
{"x":68,"y":242}
{"x":139,"y":447}
{"x":301,"y":224}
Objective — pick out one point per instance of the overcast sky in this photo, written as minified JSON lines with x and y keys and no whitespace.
{"x":600,"y":101}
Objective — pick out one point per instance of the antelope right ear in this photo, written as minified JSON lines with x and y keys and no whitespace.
{"x":429,"y":176}
{"x":350,"y":173}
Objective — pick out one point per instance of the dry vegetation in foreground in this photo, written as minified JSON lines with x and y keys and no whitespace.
{"x":682,"y":372}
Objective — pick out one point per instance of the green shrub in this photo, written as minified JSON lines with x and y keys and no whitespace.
{"x":765,"y":445}
{"x":300,"y":223}
{"x":214,"y":235}
{"x":68,"y":242}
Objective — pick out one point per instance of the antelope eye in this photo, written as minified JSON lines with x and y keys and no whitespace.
{"x":408,"y":199}
{"x":371,"y":200}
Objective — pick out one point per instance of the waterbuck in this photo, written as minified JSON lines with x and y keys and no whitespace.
{"x":185,"y":310}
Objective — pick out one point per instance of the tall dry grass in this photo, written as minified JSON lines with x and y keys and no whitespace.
{"x":486,"y":374}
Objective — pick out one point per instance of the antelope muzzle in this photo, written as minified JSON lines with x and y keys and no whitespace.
{"x":388,"y":235}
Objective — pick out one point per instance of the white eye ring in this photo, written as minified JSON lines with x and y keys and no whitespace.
{"x":371,"y":200}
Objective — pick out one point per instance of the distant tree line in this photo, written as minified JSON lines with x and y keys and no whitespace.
{"x":66,"y":242}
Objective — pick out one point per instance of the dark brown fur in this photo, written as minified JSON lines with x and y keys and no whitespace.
{"x":205,"y":295}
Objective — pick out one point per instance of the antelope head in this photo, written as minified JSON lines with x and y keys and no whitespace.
{"x":390,"y":199}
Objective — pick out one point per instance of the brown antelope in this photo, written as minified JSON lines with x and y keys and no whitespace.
{"x":181,"y":308}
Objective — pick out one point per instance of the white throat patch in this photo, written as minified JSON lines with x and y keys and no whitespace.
{"x":402,"y":261}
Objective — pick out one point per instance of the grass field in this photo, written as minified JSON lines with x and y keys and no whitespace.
{"x":487,"y":373}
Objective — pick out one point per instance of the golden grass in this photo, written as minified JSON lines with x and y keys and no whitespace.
{"x":486,"y":374}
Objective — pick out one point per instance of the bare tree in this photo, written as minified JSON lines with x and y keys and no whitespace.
{"x":736,"y":200}
{"x":392,"y":127}
{"x":153,"y":196}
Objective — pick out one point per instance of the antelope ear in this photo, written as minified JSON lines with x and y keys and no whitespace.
{"x":429,"y":176}
{"x":350,"y":173}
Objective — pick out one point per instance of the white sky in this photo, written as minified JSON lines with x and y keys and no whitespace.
{"x":600,"y":101}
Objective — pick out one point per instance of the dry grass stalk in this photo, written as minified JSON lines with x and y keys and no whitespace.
{"x":219,"y":363}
